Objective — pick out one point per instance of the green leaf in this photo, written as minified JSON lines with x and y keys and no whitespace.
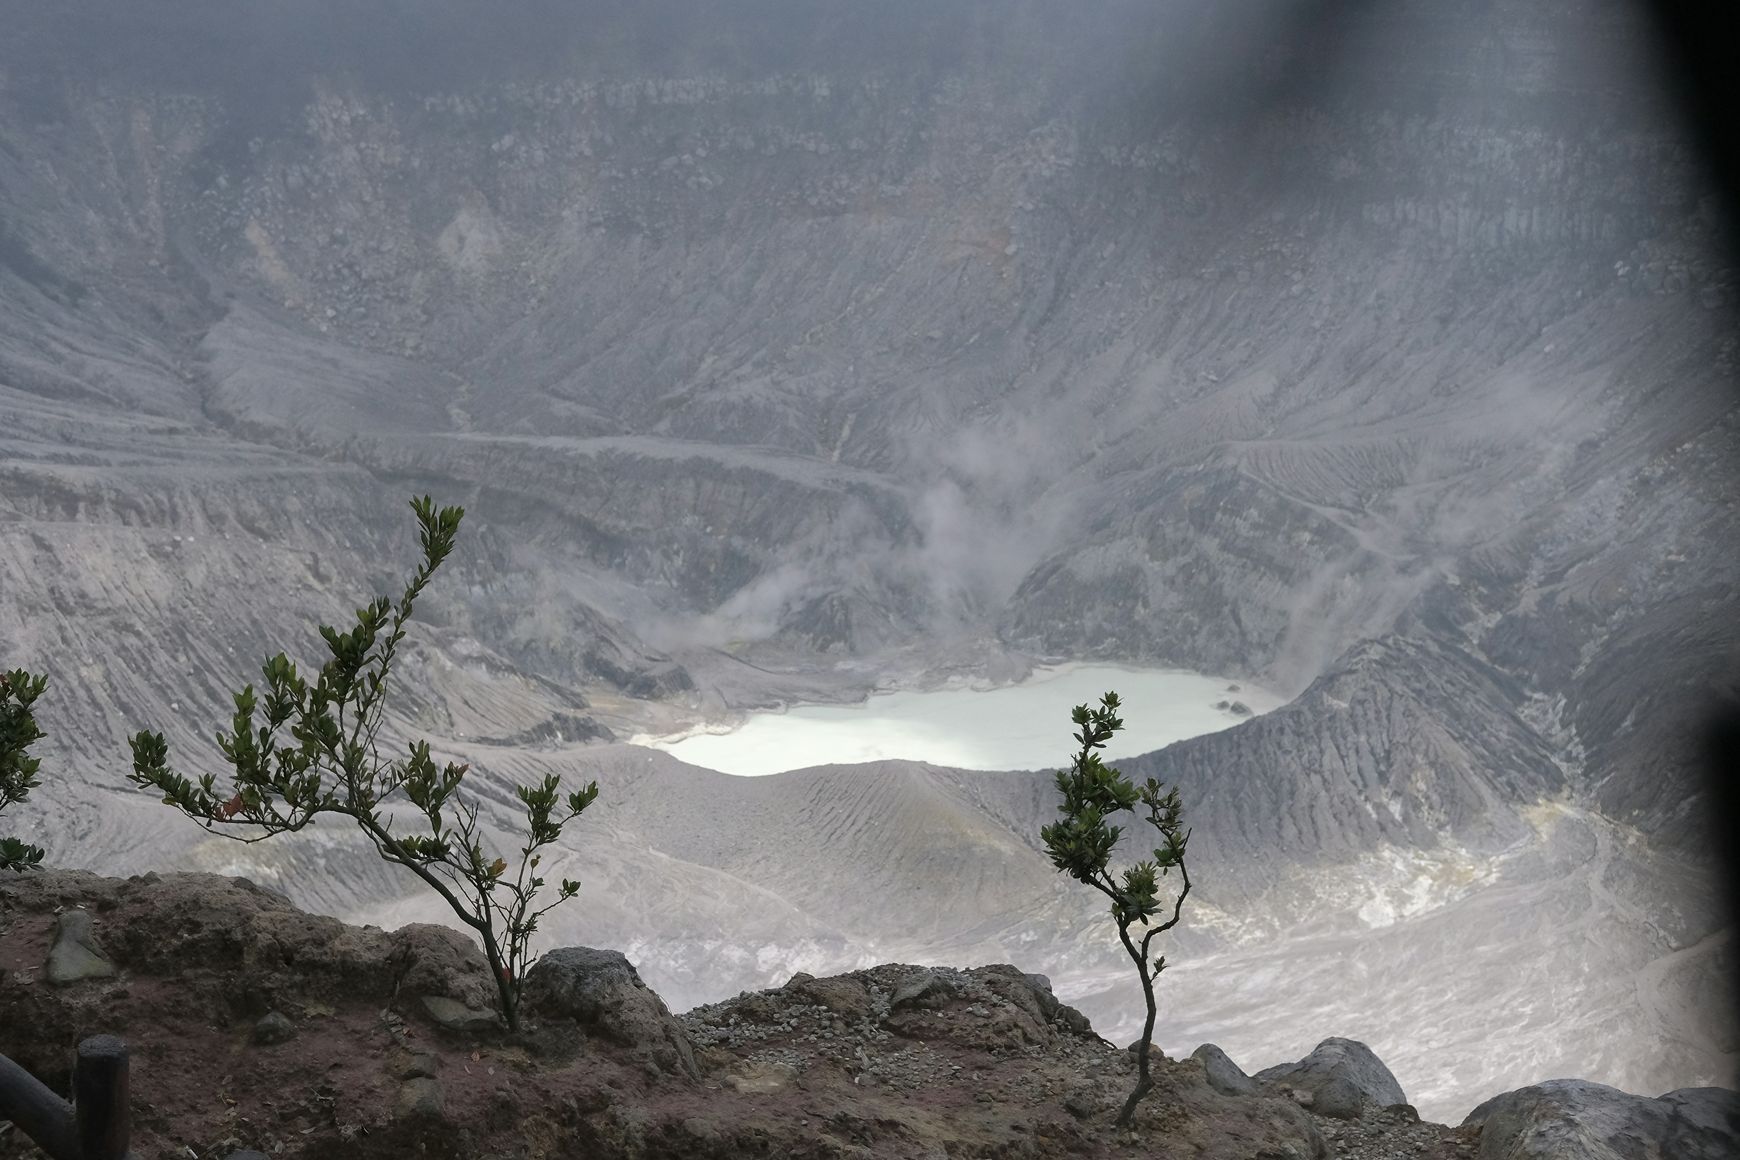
{"x":316,"y":751}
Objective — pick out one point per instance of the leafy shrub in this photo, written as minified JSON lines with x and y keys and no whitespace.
{"x":330,"y":763}
{"x":18,"y":692}
{"x":1081,"y":842}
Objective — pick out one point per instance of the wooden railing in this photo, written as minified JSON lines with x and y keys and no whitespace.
{"x":97,"y":1124}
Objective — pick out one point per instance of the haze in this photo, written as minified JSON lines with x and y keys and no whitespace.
{"x":782,"y":352}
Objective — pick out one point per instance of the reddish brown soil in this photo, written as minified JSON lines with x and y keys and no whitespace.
{"x":981,"y":1065}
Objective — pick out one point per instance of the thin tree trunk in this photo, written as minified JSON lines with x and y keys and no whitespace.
{"x":510,"y":1007}
{"x":1128,"y":1115}
{"x":1144,"y":1083}
{"x":504,"y":991}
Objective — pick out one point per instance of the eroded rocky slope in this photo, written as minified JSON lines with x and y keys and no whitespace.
{"x":252,"y":1024}
{"x":784,"y":348}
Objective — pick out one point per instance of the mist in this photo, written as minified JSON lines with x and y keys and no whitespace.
{"x":789,"y":355}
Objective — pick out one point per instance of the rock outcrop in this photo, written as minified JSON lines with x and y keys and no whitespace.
{"x":895,"y":1061}
{"x":1563,"y":1119}
{"x":1222,"y":1073}
{"x":1340,"y":1078}
{"x":600,"y":992}
{"x":75,"y":955}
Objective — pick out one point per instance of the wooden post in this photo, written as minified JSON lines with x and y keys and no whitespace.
{"x":38,"y":1112}
{"x":100,"y":1099}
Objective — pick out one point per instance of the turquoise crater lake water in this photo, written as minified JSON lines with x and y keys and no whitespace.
{"x":1025,"y":726}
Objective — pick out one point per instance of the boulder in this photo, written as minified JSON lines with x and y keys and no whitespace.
{"x":1155,"y":1054}
{"x":273,"y":1028}
{"x":1031,"y":993}
{"x":924,"y":988}
{"x":844,"y":995}
{"x":1223,"y":1074}
{"x":1338,"y":1098}
{"x":421,"y":1098}
{"x":600,"y":991}
{"x":420,"y":1064}
{"x":75,"y":954}
{"x":457,"y":1016}
{"x":1024,"y":1011}
{"x":1347,"y":1060}
{"x":1085,"y":1101}
{"x":1563,"y":1119}
{"x":440,"y":963}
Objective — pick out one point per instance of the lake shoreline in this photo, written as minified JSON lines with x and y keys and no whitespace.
{"x":965,"y":722}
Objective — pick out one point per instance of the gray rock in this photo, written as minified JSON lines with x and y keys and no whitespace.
{"x":1075,"y":1021}
{"x":925,"y":988}
{"x":1573,"y":1119}
{"x":274,"y":1028}
{"x":1707,"y":1109}
{"x":702,"y":1129}
{"x":1338,"y":1098}
{"x":437,"y":960}
{"x":420,"y":1098}
{"x":420,"y":1065}
{"x":602,"y":992}
{"x":75,"y":954}
{"x":1083,"y":1101}
{"x":1344,"y":1059}
{"x":1239,"y":709}
{"x":457,"y":1016}
{"x":1223,"y":1074}
{"x":1031,"y":993}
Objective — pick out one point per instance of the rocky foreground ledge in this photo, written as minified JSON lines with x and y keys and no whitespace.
{"x":253,"y":1024}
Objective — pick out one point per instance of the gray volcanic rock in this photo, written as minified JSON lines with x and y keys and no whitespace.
{"x":1340,"y":1098}
{"x":602,"y":992}
{"x":924,"y":988}
{"x":75,"y":955}
{"x":1032,"y":994}
{"x":277,"y":957}
{"x":1571,"y":1119}
{"x":421,"y":1098}
{"x":273,"y":1028}
{"x":1223,"y":1074}
{"x":457,"y":1016}
{"x":1341,"y":1071}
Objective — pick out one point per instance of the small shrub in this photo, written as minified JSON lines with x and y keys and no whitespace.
{"x":317,"y":753}
{"x":18,"y":692}
{"x":1081,"y":842}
